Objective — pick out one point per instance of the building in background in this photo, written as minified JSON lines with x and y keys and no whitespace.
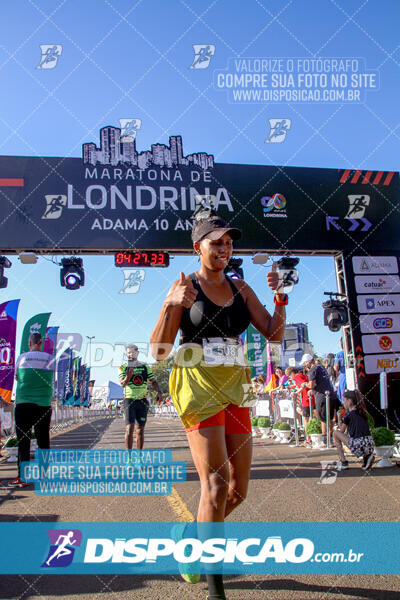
{"x":295,"y":343}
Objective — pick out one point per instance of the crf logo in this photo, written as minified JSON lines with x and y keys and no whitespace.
{"x":137,"y":380}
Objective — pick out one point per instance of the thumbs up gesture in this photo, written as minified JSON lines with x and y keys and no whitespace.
{"x":273,"y":278}
{"x":182,"y":293}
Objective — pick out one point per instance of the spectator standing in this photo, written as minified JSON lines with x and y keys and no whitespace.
{"x":319,"y":383}
{"x":340,"y":370}
{"x":34,"y":372}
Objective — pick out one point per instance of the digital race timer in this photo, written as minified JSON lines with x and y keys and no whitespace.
{"x":142,"y":259}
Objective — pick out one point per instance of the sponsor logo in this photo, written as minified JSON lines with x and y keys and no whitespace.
{"x":203,"y":54}
{"x":129,"y":127}
{"x":387,"y":363}
{"x":50,"y":55}
{"x":62,"y":547}
{"x":34,"y":328}
{"x":137,"y":380}
{"x":380,"y":284}
{"x":3,"y":315}
{"x":370,"y":303}
{"x":132,"y":280}
{"x":190,"y":550}
{"x":357,"y":206}
{"x":385,"y":342}
{"x":379,"y":265}
{"x":54,"y":206}
{"x":278,"y":130}
{"x":274,"y":206}
{"x":382,"y":323}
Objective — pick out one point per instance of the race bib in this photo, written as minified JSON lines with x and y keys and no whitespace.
{"x":223,"y":351}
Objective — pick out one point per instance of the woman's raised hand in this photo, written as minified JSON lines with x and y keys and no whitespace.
{"x":273,"y":278}
{"x":183,"y":293}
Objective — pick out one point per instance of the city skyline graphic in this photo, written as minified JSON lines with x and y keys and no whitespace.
{"x":114,"y":151}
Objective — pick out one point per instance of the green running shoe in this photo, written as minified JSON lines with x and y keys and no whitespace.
{"x":186,"y":570}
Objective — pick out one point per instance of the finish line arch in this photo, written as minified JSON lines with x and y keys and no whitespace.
{"x":101,"y":204}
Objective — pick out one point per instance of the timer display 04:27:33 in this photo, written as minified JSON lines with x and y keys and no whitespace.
{"x":142,"y":259}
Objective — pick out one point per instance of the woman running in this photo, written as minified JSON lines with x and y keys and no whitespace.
{"x":210,"y":379}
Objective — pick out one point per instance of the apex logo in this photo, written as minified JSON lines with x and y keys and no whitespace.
{"x":62,"y":547}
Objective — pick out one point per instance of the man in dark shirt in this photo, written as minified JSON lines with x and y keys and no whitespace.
{"x":319,"y":383}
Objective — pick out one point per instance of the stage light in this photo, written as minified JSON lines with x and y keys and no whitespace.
{"x":5,"y":263}
{"x":72,"y":275}
{"x":233,"y":268}
{"x":335,"y":311}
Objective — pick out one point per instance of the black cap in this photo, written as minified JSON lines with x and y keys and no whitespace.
{"x":213,"y":228}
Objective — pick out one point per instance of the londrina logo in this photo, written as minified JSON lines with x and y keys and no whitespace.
{"x":274,"y":206}
{"x":62,"y":547}
{"x":383,"y":323}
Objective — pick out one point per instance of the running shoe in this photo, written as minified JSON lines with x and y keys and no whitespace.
{"x":342,"y":465}
{"x":186,"y":570}
{"x":368,"y":462}
{"x":17,"y":483}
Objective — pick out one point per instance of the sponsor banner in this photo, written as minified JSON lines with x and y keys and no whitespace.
{"x":256,"y":351}
{"x":69,"y":379}
{"x":8,"y":330}
{"x":377,"y":304}
{"x":62,"y":370}
{"x":36,"y":324}
{"x":378,"y":284}
{"x":370,"y":265}
{"x":381,"y":342}
{"x":378,"y":363}
{"x":117,"y":196}
{"x":379,"y":323}
{"x":250,"y":548}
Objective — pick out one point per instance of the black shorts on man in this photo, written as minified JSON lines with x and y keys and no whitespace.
{"x":135,"y":411}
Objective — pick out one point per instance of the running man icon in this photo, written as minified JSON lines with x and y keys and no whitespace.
{"x":62,"y":542}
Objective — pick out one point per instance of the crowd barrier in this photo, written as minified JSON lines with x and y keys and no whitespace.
{"x":61,"y":417}
{"x":166,"y":410}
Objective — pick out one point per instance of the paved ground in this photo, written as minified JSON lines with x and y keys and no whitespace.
{"x":285,"y":486}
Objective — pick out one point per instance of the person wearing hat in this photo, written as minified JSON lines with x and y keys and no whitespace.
{"x":319,"y":382}
{"x":210,"y":380}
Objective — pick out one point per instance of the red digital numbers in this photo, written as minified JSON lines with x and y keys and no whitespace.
{"x":142,"y":259}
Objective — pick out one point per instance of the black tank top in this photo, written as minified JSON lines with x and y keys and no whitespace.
{"x":206,"y":320}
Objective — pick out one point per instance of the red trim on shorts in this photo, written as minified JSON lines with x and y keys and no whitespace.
{"x":236,"y":419}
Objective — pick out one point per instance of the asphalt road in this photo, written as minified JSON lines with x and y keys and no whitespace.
{"x":285,"y":486}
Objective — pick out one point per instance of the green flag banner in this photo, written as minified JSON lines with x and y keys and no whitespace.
{"x":37,"y":324}
{"x":256,"y":352}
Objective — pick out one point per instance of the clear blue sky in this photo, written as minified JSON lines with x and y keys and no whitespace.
{"x":131,"y":59}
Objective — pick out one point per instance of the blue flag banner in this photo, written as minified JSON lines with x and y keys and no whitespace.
{"x":230,"y":548}
{"x":62,"y":372}
{"x":69,"y":385}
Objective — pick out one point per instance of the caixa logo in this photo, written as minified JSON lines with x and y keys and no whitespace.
{"x":62,"y":547}
{"x":190,"y":550}
{"x":383,"y":323}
